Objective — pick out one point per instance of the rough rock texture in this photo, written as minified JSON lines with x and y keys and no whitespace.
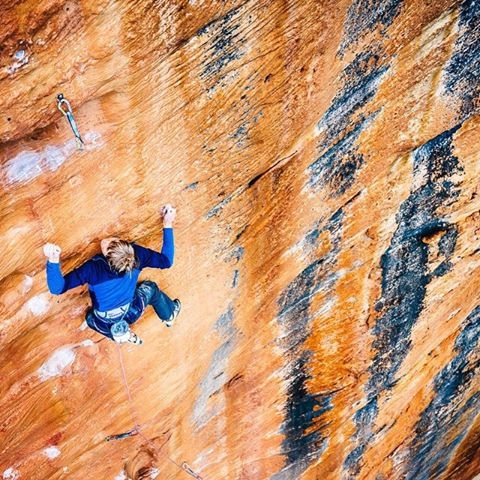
{"x":323,"y":157}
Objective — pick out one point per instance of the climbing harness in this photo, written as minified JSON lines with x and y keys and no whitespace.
{"x":64,"y":106}
{"x":136,"y":429}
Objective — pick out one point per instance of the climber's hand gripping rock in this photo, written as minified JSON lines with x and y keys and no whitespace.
{"x":52,"y":252}
{"x":168,"y":213}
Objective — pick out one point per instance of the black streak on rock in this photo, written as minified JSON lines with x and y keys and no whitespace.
{"x":405,"y":273}
{"x":462,"y":74}
{"x":337,"y":167}
{"x":215,"y":211}
{"x":360,"y":79}
{"x":216,"y":376}
{"x":434,"y":444}
{"x":366,"y":15}
{"x":364,"y":420}
{"x":343,"y":123}
{"x":242,"y":134}
{"x":225,"y":44}
{"x":236,"y":276}
{"x":236,"y":254}
{"x":304,"y":409}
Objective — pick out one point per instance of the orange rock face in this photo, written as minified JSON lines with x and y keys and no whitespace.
{"x":323,"y":159}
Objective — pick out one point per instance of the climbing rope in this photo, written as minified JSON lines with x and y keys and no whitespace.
{"x":64,"y":106}
{"x":136,"y":430}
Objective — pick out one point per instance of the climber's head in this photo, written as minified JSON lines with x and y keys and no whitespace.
{"x":119,"y":254}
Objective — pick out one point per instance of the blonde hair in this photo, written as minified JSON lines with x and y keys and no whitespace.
{"x":121,"y":256}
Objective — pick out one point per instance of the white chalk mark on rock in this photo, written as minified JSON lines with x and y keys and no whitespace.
{"x":51,"y":452}
{"x":121,"y":476}
{"x":21,"y":58}
{"x":61,"y":358}
{"x":11,"y":474}
{"x":38,"y":305}
{"x":57,"y":363}
{"x":30,"y":164}
{"x":27,"y":284}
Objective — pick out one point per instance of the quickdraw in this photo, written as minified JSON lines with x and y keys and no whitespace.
{"x":64,"y":106}
{"x":187,"y":468}
{"x":121,"y":436}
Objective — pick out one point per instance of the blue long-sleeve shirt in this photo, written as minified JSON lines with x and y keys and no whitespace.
{"x":109,"y":289}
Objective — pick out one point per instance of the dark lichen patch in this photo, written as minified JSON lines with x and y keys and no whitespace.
{"x":311,"y":239}
{"x":303,"y":409}
{"x":215,"y":210}
{"x":240,"y":132}
{"x":225,"y":43}
{"x":447,"y":243}
{"x":442,"y":250}
{"x":192,"y":186}
{"x":364,"y":422}
{"x":342,"y":124}
{"x":364,"y":16}
{"x":406,"y":270}
{"x":236,"y":254}
{"x":360,"y":81}
{"x":242,"y":135}
{"x":225,"y":323}
{"x":338,"y":166}
{"x":462,"y":74}
{"x":236,"y":278}
{"x":364,"y":419}
{"x":304,"y":438}
{"x":449,"y":411}
{"x":318,"y":275}
{"x":215,"y":378}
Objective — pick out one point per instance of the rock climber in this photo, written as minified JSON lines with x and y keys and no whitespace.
{"x":117,"y":300}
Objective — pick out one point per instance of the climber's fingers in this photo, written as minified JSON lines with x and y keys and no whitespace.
{"x":52,"y":252}
{"x":169,"y":213}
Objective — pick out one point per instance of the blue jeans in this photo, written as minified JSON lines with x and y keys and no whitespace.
{"x":146,"y":293}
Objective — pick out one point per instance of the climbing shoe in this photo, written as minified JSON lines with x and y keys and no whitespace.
{"x":176,"y":310}
{"x":135,"y":339}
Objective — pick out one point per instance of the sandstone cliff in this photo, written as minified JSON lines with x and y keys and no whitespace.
{"x":323,"y":158}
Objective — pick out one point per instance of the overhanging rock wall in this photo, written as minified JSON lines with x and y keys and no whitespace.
{"x":323,"y":158}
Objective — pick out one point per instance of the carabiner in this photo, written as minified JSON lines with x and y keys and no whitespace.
{"x":61,"y":102}
{"x":187,"y":468}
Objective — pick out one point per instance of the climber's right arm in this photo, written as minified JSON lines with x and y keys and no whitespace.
{"x":57,"y":283}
